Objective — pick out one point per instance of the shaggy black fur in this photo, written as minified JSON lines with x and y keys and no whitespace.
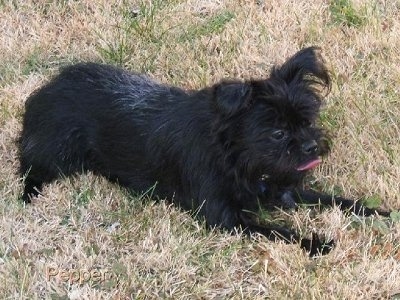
{"x":220,"y":150}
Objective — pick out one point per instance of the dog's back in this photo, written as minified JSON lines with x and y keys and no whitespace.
{"x":90,"y":117}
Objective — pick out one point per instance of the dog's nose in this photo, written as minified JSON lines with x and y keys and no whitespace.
{"x":309,"y":147}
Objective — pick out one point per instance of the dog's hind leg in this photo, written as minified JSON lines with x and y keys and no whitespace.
{"x":32,"y":189}
{"x":34,"y":178}
{"x":44,"y":158}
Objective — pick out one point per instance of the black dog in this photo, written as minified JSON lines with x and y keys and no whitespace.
{"x":219,"y":151}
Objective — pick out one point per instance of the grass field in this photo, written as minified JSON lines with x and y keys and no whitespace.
{"x":86,"y":238}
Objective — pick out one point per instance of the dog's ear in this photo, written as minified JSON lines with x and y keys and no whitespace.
{"x":232,"y":97}
{"x":306,"y":65}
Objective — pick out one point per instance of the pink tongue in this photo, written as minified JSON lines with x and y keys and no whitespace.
{"x":309,"y":165}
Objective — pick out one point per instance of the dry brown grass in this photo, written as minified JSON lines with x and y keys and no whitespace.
{"x":154,"y":250}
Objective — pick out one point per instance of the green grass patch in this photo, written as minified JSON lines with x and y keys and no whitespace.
{"x":395,"y":216}
{"x":138,"y":25}
{"x":373,"y":201}
{"x":212,"y":25}
{"x":82,"y":198}
{"x":34,"y":63}
{"x":344,"y":13}
{"x":142,"y":21}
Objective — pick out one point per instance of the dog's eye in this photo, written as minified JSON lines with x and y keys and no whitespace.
{"x":278,"y":135}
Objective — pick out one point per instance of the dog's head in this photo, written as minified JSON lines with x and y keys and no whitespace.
{"x":269,"y":128}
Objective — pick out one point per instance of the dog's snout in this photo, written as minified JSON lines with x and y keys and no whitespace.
{"x":309,"y":147}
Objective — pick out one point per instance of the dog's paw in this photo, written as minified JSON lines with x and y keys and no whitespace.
{"x":315,"y":246}
{"x":288,"y":200}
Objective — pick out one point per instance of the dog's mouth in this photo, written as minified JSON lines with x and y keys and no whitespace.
{"x":309,"y":165}
{"x":302,"y":167}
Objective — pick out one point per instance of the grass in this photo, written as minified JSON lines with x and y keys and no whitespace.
{"x":343,"y":12}
{"x":154,"y":250}
{"x":136,"y":22}
{"x":212,"y":25}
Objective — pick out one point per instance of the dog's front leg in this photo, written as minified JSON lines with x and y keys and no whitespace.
{"x":226,"y":215}
{"x":315,"y":198}
{"x":313,"y":246}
